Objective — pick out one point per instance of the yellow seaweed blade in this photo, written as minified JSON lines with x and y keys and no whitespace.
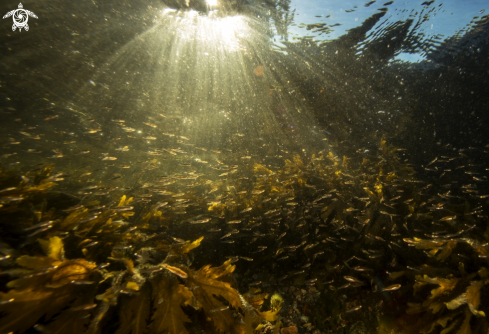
{"x":378,"y":188}
{"x":24,"y":310}
{"x":57,"y":274}
{"x":256,"y":300}
{"x":269,"y":315}
{"x":132,"y":286}
{"x":53,"y":248}
{"x":428,"y":244}
{"x":73,"y":218}
{"x":276,"y":330}
{"x":109,"y":296}
{"x":447,"y":250}
{"x":41,"y":187}
{"x":444,"y":320}
{"x":218,"y":272}
{"x":32,"y":298}
{"x":208,"y":288}
{"x":440,"y":321}
{"x":128,"y":214}
{"x":218,"y":288}
{"x":474,"y":297}
{"x":69,"y":322}
{"x":371,"y":194}
{"x":260,"y":168}
{"x":445,"y":284}
{"x":35,"y":262}
{"x":125,"y":201}
{"x":122,"y":201}
{"x":188,"y":247}
{"x":127,"y":262}
{"x":223,"y":320}
{"x":433,"y":252}
{"x":435,"y":307}
{"x":72,"y":270}
{"x":455,"y":303}
{"x":450,"y":328}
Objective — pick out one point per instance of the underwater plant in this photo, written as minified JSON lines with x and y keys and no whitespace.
{"x":151,"y":297}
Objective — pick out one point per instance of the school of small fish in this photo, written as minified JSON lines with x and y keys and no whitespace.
{"x":306,"y":217}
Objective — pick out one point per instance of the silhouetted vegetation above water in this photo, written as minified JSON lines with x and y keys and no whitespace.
{"x":355,"y":88}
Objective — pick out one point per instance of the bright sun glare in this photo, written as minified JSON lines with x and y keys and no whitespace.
{"x":211,"y":31}
{"x":212,"y":3}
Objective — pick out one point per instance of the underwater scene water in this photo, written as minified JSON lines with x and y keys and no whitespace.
{"x":244,"y":166}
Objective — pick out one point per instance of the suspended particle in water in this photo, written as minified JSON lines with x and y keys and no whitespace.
{"x":258,"y":71}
